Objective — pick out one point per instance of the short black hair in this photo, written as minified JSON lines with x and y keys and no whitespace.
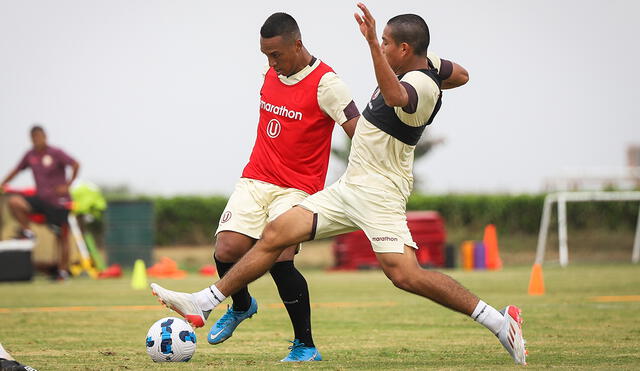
{"x":410,"y":29}
{"x":280,"y":24}
{"x":36,"y":128}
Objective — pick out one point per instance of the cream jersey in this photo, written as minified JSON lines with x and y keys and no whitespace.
{"x":380,"y":161}
{"x":334,"y":97}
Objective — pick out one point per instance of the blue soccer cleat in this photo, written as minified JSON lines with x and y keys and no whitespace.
{"x":223,"y":329}
{"x":300,"y":353}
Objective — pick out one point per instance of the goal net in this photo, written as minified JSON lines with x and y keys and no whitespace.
{"x":561,"y":199}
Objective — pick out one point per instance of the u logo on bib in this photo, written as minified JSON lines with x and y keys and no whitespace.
{"x":273,"y":128}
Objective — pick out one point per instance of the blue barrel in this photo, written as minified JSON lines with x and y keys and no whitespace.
{"x":129,"y":232}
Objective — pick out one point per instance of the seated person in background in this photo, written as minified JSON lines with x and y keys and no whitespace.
{"x":52,"y":199}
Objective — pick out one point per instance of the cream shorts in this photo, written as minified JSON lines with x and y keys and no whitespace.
{"x":343,"y":208}
{"x":254,"y":203}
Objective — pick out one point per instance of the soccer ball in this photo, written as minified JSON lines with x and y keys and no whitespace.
{"x":171,"y":340}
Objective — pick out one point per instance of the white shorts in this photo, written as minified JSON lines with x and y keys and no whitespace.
{"x":343,"y":208}
{"x":254,"y":203}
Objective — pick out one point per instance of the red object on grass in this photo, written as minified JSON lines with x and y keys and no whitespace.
{"x":208,"y":270}
{"x":114,"y":271}
{"x":166,"y":268}
{"x":353,"y":250}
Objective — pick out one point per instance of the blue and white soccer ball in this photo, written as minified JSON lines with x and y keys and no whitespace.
{"x":171,"y":340}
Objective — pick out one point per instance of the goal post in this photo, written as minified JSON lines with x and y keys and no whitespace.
{"x":561,"y":199}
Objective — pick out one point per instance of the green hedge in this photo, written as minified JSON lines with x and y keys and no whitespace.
{"x":522,"y":213}
{"x":191,"y":220}
{"x":187,"y":220}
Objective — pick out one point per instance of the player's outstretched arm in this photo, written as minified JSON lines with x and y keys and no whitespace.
{"x":9,"y":177}
{"x":394,"y":94}
{"x":459,"y":76}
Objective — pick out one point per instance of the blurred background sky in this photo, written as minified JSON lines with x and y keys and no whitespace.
{"x":163,"y":95}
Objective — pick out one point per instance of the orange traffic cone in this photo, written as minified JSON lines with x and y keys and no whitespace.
{"x":491,"y":243}
{"x":166,"y":268}
{"x":536,"y":283}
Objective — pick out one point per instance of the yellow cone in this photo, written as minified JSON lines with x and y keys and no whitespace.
{"x":139,"y":277}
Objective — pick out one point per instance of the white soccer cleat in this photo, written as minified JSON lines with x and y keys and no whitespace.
{"x":510,"y":334}
{"x":184,"y":304}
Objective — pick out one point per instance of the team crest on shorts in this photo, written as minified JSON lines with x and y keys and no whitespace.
{"x":226,"y":216}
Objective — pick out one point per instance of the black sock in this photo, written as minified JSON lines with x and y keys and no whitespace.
{"x":294,"y":293}
{"x":241,"y":299}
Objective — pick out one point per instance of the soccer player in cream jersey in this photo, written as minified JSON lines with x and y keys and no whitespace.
{"x":372,"y":193}
{"x":301,"y":98}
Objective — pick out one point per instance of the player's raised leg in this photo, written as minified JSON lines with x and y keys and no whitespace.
{"x":405,"y":273}
{"x":293,"y":227}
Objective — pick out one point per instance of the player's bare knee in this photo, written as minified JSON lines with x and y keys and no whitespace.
{"x":400,"y":278}
{"x":404,"y":283}
{"x":227,"y":251}
{"x":16,"y":202}
{"x":271,"y":237}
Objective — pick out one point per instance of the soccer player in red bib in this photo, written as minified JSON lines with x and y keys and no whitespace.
{"x":301,"y":99}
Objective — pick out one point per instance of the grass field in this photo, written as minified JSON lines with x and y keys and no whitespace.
{"x":360,"y":322}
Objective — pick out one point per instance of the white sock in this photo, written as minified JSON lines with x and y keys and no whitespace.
{"x":209,"y":298}
{"x":488,"y":316}
{"x":4,"y":354}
